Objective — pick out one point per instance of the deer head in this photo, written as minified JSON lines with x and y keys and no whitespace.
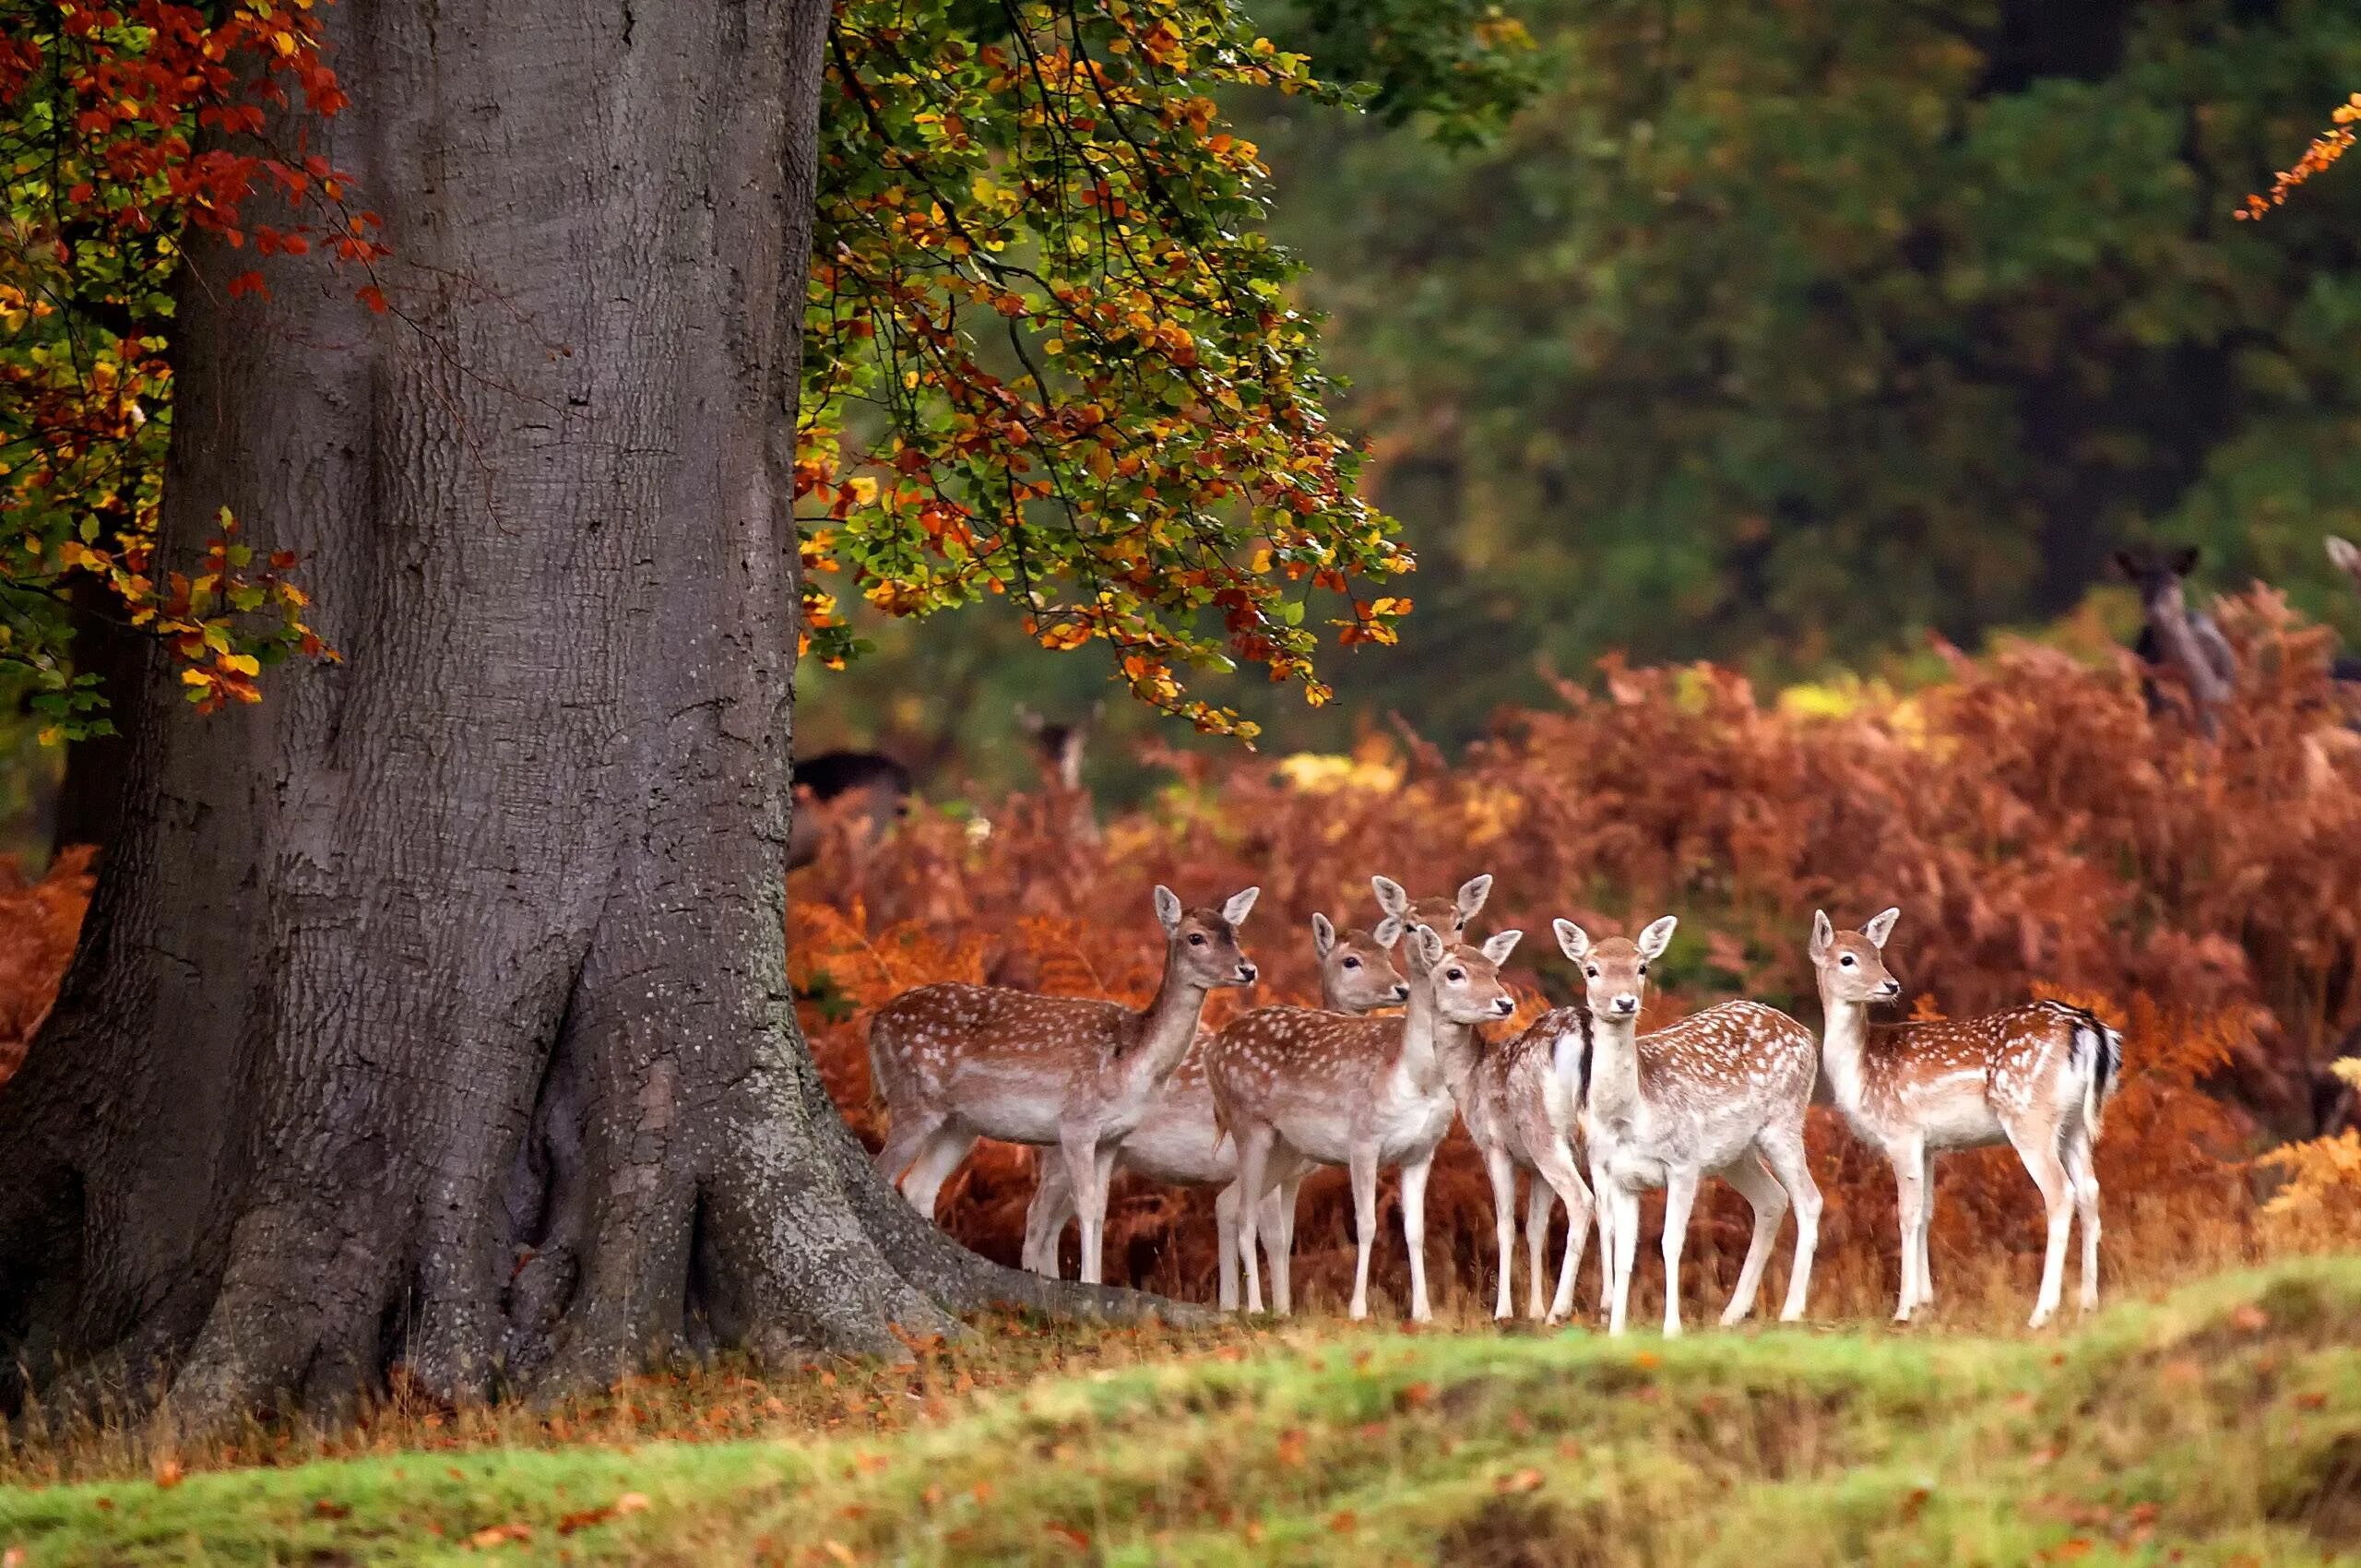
{"x":1356,"y":970}
{"x":2347,"y":558}
{"x":1464,"y":981}
{"x":1202,"y":944}
{"x":1614,"y":972}
{"x":1449,"y":916}
{"x":1852,"y":963}
{"x":2158,"y":572}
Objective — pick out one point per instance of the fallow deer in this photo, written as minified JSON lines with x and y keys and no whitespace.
{"x":2176,"y":637}
{"x":1722,"y":1093}
{"x":1521,"y":1113}
{"x":1448,"y":916}
{"x":1295,"y":1087}
{"x":1177,"y":1141}
{"x":2036,"y":1077}
{"x":956,"y":1062}
{"x":867,"y":790}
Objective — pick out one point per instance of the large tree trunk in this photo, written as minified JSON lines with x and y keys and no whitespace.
{"x":435,"y":1012}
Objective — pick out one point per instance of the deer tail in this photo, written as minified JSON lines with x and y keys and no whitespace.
{"x":2097,"y":1053}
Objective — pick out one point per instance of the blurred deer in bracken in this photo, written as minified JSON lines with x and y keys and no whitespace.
{"x":1058,"y":749}
{"x":1449,"y":917}
{"x":1295,"y":1087}
{"x":2178,"y":638}
{"x":2036,"y":1077}
{"x":866,"y":791}
{"x":956,"y":1062}
{"x":1721,"y":1093}
{"x":1177,"y":1142}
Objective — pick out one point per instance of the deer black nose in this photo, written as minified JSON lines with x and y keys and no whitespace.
{"x":1503,"y":1006}
{"x":1626,"y":1004}
{"x":1246,"y":973}
{"x":1890,"y":988}
{"x":1401,"y":992}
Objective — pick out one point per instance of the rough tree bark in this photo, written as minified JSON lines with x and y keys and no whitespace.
{"x":436,"y":1011}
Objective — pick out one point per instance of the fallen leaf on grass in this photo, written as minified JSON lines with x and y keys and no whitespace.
{"x":501,"y":1535}
{"x":1078,"y":1539}
{"x":330,"y":1508}
{"x":1523,"y":1481}
{"x":1343,"y":1522}
{"x":168,"y":1474}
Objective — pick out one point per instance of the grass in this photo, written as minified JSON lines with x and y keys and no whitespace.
{"x":2219,"y":1424}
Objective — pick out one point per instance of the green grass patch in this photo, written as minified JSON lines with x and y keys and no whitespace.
{"x":2220,"y":1425}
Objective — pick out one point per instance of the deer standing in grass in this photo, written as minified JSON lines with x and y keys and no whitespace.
{"x":1177,"y":1141}
{"x":1296,"y":1088}
{"x":956,"y":1062}
{"x":2036,"y":1077}
{"x":1722,"y":1093}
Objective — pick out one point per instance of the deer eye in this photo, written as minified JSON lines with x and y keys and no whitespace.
{"x":1197,"y":939}
{"x":1644,"y":969}
{"x":1846,"y":960}
{"x":1352,"y":963}
{"x":1455,"y":975}
{"x":1592,"y":971}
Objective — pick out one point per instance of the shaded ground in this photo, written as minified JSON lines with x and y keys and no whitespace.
{"x":2220,"y":1425}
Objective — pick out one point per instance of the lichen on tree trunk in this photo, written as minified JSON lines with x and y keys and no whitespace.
{"x":436,"y":1011}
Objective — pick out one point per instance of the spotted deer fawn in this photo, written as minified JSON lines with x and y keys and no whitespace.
{"x":1296,"y":1088}
{"x":956,"y":1062}
{"x":1448,"y":916}
{"x":1176,"y":1140}
{"x":2035,"y":1077}
{"x":1722,"y":1093}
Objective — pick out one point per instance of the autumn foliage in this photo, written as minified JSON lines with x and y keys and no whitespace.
{"x":2042,"y":833}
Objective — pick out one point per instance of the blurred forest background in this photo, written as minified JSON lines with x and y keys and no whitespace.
{"x":1774,"y":333}
{"x":1779,"y":334}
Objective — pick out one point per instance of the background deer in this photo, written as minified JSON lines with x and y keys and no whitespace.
{"x":2036,"y":1077}
{"x":955,"y":1063}
{"x":2176,"y":638}
{"x":1291,"y":1086}
{"x":1447,"y":916}
{"x":1178,"y":1141}
{"x":1723,"y":1093}
{"x":867,"y":790}
{"x":1521,"y":1113}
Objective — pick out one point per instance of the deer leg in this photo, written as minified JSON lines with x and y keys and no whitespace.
{"x":1278,"y":1214}
{"x":904,"y":1141}
{"x":2082,"y":1170}
{"x":1225,"y":1233}
{"x":1414,"y":1233}
{"x":1362,"y":1167}
{"x":1079,"y":1144}
{"x":1253,"y":1156}
{"x":1926,"y":1225}
{"x":943,"y":1154}
{"x":1627,"y":1253}
{"x":1791,"y":1163}
{"x":1502,"y":1169}
{"x":1046,"y":1215}
{"x":1769,"y":1201}
{"x":1538,"y":1201}
{"x":1608,"y":1215}
{"x":1909,"y":1161}
{"x":1679,"y":1197}
{"x":2036,"y":1147}
{"x":1558,"y":1180}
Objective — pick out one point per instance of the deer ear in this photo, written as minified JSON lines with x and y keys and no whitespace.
{"x":1239,"y":905}
{"x":1878,"y":930}
{"x":1390,"y":896}
{"x":1658,"y":937}
{"x":1572,"y":940}
{"x":1426,"y":947}
{"x":1500,"y":944}
{"x":2184,"y":560}
{"x":1168,"y":908}
{"x":1824,"y":935}
{"x":1472,"y":894}
{"x":2342,"y":553}
{"x":2125,"y":566}
{"x":1324,"y":935}
{"x":1388,"y":933}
